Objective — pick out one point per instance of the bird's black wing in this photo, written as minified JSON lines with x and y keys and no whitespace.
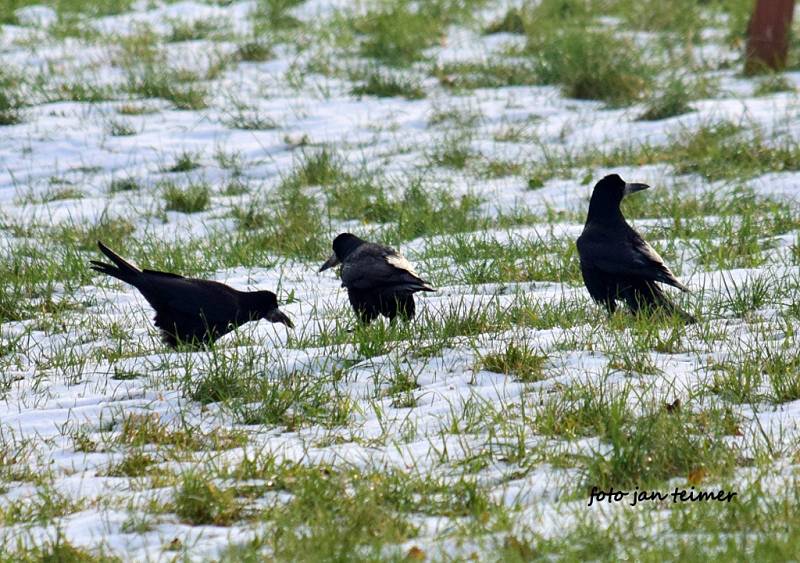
{"x":627,"y":255}
{"x":374,"y":270}
{"x":216,"y":302}
{"x":191,"y":310}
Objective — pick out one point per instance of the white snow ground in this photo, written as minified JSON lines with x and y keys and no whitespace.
{"x":44,"y":407}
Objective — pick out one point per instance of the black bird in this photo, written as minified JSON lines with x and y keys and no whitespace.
{"x":616,"y":262}
{"x":379,"y":280}
{"x":192,"y":311}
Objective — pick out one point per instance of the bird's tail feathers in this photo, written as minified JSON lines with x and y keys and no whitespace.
{"x":117,"y":259}
{"x":654,"y":299}
{"x":121,"y":269}
{"x":420,"y":285}
{"x":425,"y":286}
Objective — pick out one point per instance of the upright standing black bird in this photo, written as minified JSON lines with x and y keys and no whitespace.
{"x":616,"y":262}
{"x":379,"y":280}
{"x":192,"y":311}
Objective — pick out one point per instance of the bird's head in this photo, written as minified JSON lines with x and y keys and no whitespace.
{"x":264,"y":305}
{"x":343,"y":245}
{"x":608,"y":193}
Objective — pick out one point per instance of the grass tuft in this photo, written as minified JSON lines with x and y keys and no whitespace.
{"x":520,"y":360}
{"x":194,"y":198}
{"x":11,"y":99}
{"x":184,"y":162}
{"x":199,"y":502}
{"x":660,"y":445}
{"x":384,"y":84}
{"x":671,"y":99}
{"x":616,"y":73}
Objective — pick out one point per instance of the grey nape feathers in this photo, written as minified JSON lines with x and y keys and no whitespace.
{"x":379,"y":280}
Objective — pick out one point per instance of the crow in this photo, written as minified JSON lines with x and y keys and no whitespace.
{"x":379,"y":280}
{"x":192,"y":311}
{"x":616,"y":262}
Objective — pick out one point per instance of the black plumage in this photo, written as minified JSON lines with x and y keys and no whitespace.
{"x":616,"y":262}
{"x":192,"y":311}
{"x":379,"y":280}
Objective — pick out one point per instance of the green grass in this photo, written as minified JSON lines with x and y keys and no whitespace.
{"x":396,"y":33}
{"x":90,"y":8}
{"x":429,"y":211}
{"x":714,"y":150}
{"x":198,"y":501}
{"x":176,"y":86}
{"x":184,"y":162}
{"x":290,"y":226}
{"x":85,"y":90}
{"x":59,"y":550}
{"x":249,"y":119}
{"x":120,"y":185}
{"x":40,"y":282}
{"x":589,"y":411}
{"x":183,"y":30}
{"x":511,"y":22}
{"x":12,"y":101}
{"x":511,"y":300}
{"x":456,"y":117}
{"x":272,"y":16}
{"x":43,"y":506}
{"x":518,"y":360}
{"x":254,"y":51}
{"x":139,"y":429}
{"x":660,"y":445}
{"x":112,"y":231}
{"x":363,"y":197}
{"x":315,"y":168}
{"x":759,"y":375}
{"x":333,"y":514}
{"x":120,"y":128}
{"x":682,"y":16}
{"x":452,"y":152}
{"x":194,"y":198}
{"x":493,"y":73}
{"x":725,"y":150}
{"x":772,"y":84}
{"x":482,"y":260}
{"x":670,"y":100}
{"x":568,"y":56}
{"x":383,"y":84}
{"x":135,"y":464}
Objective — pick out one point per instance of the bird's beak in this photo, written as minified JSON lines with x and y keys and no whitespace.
{"x":278,"y":316}
{"x":330,"y":263}
{"x":633,"y":188}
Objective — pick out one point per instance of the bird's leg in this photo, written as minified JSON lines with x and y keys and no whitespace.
{"x":365,"y":317}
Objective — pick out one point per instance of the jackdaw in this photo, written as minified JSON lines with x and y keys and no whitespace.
{"x":379,"y":280}
{"x":192,"y":311}
{"x":616,"y":262}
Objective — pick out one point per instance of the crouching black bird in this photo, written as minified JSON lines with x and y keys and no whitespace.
{"x":616,"y":262}
{"x":192,"y":311}
{"x":379,"y":280}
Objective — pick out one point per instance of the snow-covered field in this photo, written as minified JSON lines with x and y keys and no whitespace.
{"x":233,"y":140}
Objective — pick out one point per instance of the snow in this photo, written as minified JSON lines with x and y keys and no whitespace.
{"x":69,"y":141}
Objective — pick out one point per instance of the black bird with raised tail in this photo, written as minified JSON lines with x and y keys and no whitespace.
{"x":379,"y":280}
{"x":192,"y":311}
{"x":616,"y":262}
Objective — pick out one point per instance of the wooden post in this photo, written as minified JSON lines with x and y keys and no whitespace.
{"x":768,"y":35}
